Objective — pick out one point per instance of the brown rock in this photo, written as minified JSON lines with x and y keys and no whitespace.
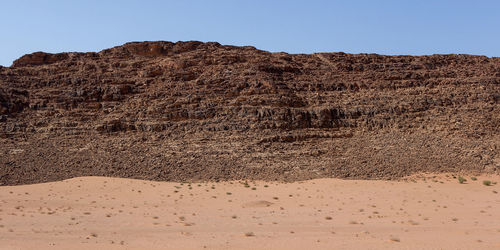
{"x":227,"y":112}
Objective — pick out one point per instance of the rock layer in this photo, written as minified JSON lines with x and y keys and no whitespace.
{"x":200,"y":111}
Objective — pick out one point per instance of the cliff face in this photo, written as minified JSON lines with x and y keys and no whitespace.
{"x":198,"y":111}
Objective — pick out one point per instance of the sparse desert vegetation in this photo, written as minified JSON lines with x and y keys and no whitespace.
{"x":461,"y":180}
{"x":249,"y":234}
{"x":201,"y":145}
{"x":410,"y":213}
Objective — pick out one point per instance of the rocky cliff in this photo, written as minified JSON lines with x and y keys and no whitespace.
{"x":204,"y":111}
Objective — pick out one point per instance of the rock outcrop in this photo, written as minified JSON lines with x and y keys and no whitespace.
{"x":198,"y":111}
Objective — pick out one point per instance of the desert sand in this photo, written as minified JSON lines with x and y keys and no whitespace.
{"x":422,"y":212}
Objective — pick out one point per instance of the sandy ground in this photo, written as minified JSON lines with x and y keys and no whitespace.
{"x":110,"y":213}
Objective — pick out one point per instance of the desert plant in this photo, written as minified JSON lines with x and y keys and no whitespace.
{"x":249,"y":234}
{"x":461,"y":180}
{"x":395,"y":239}
{"x":473,"y":178}
{"x":487,"y":183}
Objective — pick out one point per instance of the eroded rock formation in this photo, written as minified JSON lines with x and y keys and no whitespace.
{"x":198,"y":111}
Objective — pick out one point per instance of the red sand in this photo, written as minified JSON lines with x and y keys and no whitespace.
{"x":111,"y":213}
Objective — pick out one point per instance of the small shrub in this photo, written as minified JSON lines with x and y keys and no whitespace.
{"x":487,"y":183}
{"x":395,"y":239}
{"x":473,"y":178}
{"x":461,"y":180}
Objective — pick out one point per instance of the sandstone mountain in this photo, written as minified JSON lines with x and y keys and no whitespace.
{"x":192,"y":111}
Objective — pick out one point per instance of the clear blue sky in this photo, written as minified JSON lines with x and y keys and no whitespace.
{"x":412,"y":27}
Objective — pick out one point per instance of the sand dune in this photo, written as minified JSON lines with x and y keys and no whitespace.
{"x":109,"y":213}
